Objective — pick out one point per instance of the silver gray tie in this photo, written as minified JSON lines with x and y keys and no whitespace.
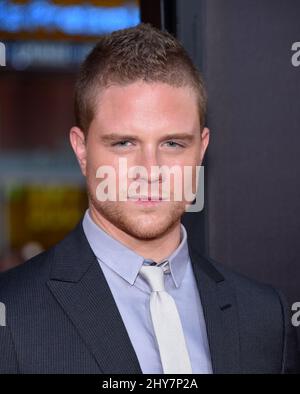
{"x":167,"y":325}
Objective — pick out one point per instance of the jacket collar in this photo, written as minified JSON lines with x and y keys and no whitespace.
{"x":79,"y":285}
{"x":220,"y":310}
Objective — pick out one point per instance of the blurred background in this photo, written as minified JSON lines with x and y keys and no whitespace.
{"x":249,"y":53}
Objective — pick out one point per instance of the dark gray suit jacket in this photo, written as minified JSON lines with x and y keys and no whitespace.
{"x":62,"y":318}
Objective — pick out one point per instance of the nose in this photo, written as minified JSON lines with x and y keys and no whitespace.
{"x":149,"y":159}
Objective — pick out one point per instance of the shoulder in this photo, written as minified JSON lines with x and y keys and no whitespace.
{"x":68,"y":260}
{"x":32,"y":274}
{"x":37,"y":271}
{"x":252,"y":295}
{"x":26,"y":276}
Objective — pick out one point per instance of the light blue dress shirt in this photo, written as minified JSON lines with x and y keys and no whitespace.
{"x":131,"y":292}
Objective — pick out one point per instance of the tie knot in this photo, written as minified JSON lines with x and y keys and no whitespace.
{"x":154,"y":276}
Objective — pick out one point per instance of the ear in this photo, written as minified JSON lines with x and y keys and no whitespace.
{"x":77,"y":139}
{"x":204,"y":142}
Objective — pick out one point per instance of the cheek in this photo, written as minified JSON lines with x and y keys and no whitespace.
{"x":97,"y":157}
{"x":103,"y":170}
{"x":189,"y":157}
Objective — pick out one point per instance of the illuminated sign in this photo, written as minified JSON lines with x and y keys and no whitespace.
{"x":38,"y":19}
{"x":58,"y":34}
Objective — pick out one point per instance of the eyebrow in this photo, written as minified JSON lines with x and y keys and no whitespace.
{"x":112,"y":137}
{"x":180,"y":136}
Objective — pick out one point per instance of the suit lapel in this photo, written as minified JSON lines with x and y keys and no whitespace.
{"x":78,"y":284}
{"x":220,"y":314}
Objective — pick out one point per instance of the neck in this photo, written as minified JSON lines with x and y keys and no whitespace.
{"x":156,"y":249}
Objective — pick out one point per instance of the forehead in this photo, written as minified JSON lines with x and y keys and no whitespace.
{"x":143,"y":105}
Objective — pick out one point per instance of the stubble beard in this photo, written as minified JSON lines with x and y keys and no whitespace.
{"x":143,"y":224}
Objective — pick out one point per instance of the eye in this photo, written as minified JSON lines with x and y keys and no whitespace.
{"x":123,"y":143}
{"x":174,"y":144}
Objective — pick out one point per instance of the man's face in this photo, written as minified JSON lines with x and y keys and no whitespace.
{"x":148,"y":124}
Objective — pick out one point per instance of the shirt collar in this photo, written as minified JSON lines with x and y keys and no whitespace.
{"x":123,"y":260}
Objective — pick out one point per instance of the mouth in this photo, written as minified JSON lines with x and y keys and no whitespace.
{"x":147,"y":200}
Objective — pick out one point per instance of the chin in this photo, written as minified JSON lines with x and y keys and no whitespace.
{"x":147,"y":227}
{"x":141,"y":224}
{"x":146,"y":232}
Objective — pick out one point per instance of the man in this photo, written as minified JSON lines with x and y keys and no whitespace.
{"x":125,"y":292}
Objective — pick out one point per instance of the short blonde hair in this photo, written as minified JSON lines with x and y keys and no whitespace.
{"x":125,"y":56}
